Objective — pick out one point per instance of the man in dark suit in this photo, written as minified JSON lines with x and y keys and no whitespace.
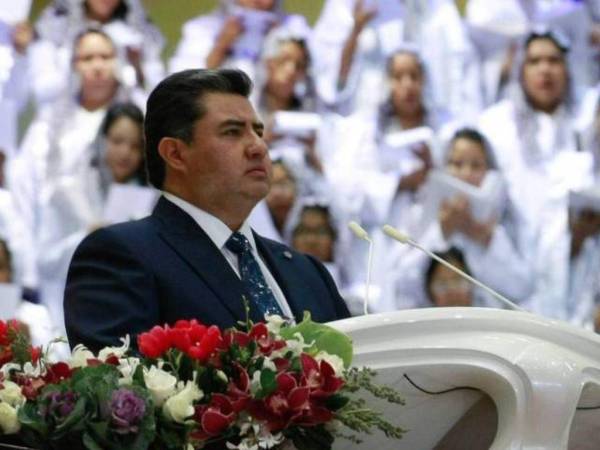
{"x":195,"y":256}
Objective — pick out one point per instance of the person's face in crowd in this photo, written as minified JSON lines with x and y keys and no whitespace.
{"x":467,"y":161}
{"x":406,"y":79}
{"x":448,"y":288}
{"x":282,"y":194}
{"x":5,"y":270}
{"x":95,"y":62}
{"x":124,"y":148}
{"x":101,"y":10}
{"x":544,"y":75}
{"x":314,"y":236}
{"x":262,"y":5}
{"x":226,"y":166}
{"x":286,"y":69}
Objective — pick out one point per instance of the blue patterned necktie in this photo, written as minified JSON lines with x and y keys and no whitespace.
{"x":252,"y":277}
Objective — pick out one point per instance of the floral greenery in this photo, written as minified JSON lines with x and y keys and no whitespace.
{"x":192,"y":386}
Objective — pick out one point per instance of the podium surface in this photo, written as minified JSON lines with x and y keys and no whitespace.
{"x":538,"y":372}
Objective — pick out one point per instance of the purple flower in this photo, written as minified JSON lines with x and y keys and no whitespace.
{"x":59,"y":404}
{"x":127,"y":411}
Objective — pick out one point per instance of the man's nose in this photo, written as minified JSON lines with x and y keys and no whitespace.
{"x":257,"y":146}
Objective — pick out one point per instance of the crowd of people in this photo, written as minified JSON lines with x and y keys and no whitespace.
{"x":477,"y":134}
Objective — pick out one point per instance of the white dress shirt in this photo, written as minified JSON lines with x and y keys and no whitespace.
{"x":219,"y":233}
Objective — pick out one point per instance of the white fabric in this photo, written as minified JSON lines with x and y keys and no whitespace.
{"x":434,"y":26}
{"x":219,"y":233}
{"x":493,"y":26}
{"x":540,"y":168}
{"x":200,"y":33}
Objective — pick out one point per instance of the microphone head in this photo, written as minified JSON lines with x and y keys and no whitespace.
{"x":396,"y":234}
{"x":358,"y":231}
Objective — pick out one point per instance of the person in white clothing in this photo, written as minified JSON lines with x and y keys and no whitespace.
{"x":381,"y":162}
{"x":355,"y":38}
{"x":232,"y":35}
{"x":58,"y":142}
{"x":137,"y":42}
{"x":483,"y":228}
{"x":75,"y":201}
{"x":497,"y":27}
{"x":538,"y":148}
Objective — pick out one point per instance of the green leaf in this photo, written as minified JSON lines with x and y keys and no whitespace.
{"x":74,"y":421}
{"x":325,"y":338}
{"x":90,"y":443}
{"x":268,"y":383}
{"x":336,"y":402}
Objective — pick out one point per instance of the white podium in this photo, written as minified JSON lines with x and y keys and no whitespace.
{"x":538,"y":372}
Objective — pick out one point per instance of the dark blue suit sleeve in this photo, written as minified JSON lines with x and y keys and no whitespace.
{"x":341,"y":309}
{"x":109,"y":292}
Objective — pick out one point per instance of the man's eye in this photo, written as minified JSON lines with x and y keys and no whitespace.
{"x":231,"y":132}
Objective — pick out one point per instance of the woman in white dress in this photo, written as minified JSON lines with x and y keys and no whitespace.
{"x":355,"y":38}
{"x":537,"y":146}
{"x":137,"y":41}
{"x":481,"y":226}
{"x":58,"y":141}
{"x":75,"y":201}
{"x":232,"y":35}
{"x":380,"y":163}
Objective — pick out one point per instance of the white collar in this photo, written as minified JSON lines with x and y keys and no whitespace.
{"x":215,"y":228}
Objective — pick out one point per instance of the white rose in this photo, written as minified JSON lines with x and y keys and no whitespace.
{"x":80,"y":356}
{"x":8,"y":419}
{"x":180,"y":406}
{"x":334,"y":361}
{"x":160,"y":383}
{"x":12,"y":394}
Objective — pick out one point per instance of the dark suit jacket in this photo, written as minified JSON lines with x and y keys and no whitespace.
{"x":129,"y":277}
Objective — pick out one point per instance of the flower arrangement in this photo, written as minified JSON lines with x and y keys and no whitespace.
{"x":191,"y":386}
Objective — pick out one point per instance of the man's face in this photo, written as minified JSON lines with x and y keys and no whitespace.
{"x":544,"y":75}
{"x":227,"y":164}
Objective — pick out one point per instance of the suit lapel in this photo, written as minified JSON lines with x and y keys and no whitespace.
{"x":194,"y":246}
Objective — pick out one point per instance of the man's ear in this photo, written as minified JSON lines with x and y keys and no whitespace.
{"x":172,"y":151}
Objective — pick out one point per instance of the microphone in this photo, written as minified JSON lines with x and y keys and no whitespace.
{"x":361,"y":233}
{"x":404,"y":239}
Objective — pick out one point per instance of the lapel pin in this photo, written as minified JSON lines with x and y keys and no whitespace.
{"x":287,"y":254}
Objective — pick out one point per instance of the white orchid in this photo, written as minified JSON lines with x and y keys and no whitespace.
{"x":274,"y":323}
{"x":180,"y":406}
{"x":334,"y":361}
{"x":80,"y":356}
{"x":127,"y":367}
{"x":116,"y":351}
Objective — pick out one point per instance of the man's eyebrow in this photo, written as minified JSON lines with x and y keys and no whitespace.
{"x":232,"y":122}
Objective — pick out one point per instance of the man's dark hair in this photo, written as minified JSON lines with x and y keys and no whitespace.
{"x":175,"y":105}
